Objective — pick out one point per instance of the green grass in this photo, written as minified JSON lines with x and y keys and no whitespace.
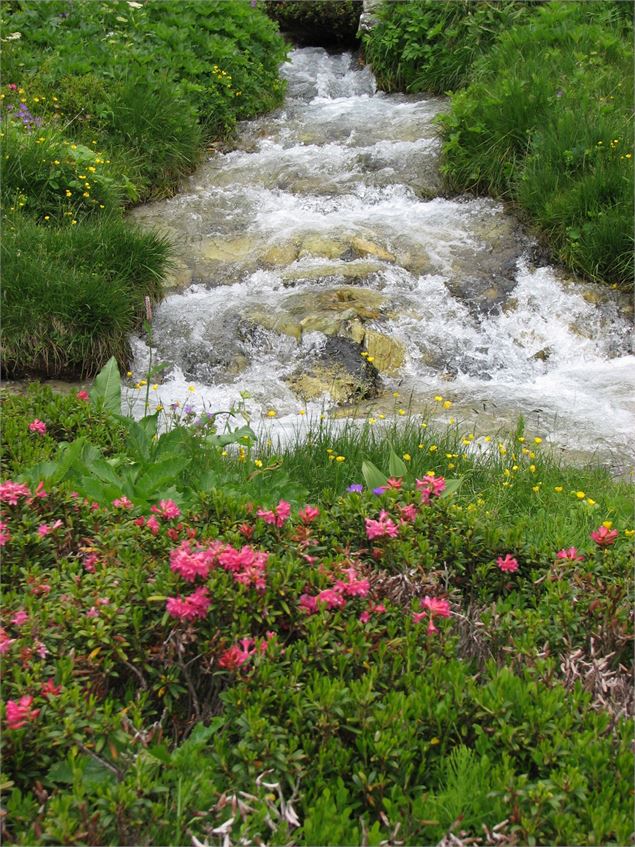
{"x":105,"y":105}
{"x":543,"y":116}
{"x":72,"y":295}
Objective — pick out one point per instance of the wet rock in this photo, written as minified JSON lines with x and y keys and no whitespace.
{"x":178,"y":278}
{"x":327,"y":248}
{"x":363,"y":247}
{"x":339,"y":372}
{"x":227,"y":250}
{"x":349,"y":270}
{"x":388,"y":354}
{"x":275,"y":321}
{"x":279,"y":255}
{"x":416,"y":262}
{"x":542,"y":355}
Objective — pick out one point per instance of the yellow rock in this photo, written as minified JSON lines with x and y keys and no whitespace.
{"x":316,"y":245}
{"x":387,"y":353}
{"x":363,"y":247}
{"x":227,"y":249}
{"x":280,"y":254}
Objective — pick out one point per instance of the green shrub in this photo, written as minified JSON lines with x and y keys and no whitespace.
{"x":73,"y":294}
{"x":423,"y":45}
{"x":327,"y":23}
{"x":546,"y":122}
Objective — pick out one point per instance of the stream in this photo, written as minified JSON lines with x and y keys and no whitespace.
{"x":325,"y":234}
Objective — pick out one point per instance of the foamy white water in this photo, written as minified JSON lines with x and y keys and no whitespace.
{"x":339,"y":191}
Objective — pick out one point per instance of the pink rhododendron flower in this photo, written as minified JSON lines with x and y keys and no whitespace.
{"x":308,"y":514}
{"x":508,"y":564}
{"x":38,"y":426}
{"x":83,"y":395}
{"x":11,"y":491}
{"x":372,"y":609}
{"x":436,"y":606}
{"x":430,"y":486}
{"x":408,"y":513}
{"x":166,"y":509}
{"x":604,"y":537}
{"x":355,"y":587}
{"x":49,"y":689}
{"x":20,"y":713}
{"x":393,"y":482}
{"x":5,"y":642}
{"x":308,"y":604}
{"x":190,"y":564}
{"x":5,"y":535}
{"x":41,"y":493}
{"x":45,"y":529}
{"x":195,"y":605}
{"x":384,"y":527}
{"x":93,"y":612}
{"x":331,"y":598}
{"x":237,"y":654}
{"x":122,"y":503}
{"x":90,"y":561}
{"x":153,"y":525}
{"x":569,"y":553}
{"x":279,"y":515}
{"x":20,"y":618}
{"x":432,"y":606}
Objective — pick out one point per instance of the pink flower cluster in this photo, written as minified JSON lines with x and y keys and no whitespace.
{"x":38,"y":426}
{"x":508,"y":564}
{"x":570,"y":554}
{"x":5,"y":641}
{"x":10,"y":492}
{"x":382,"y":528}
{"x":604,"y":537}
{"x":5,"y":535}
{"x":167,"y":509}
{"x":430,"y":486}
{"x":308,"y":514}
{"x":279,"y":515}
{"x":195,"y":605}
{"x":374,"y":608}
{"x":432,"y":606}
{"x":44,"y":529}
{"x":238,"y":654}
{"x":247,"y":565}
{"x":20,"y":713}
{"x":335,"y":597}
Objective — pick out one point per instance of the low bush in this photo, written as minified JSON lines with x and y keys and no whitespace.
{"x":201,"y":655}
{"x":330,"y":23}
{"x":106,"y":105}
{"x":73,"y":294}
{"x":544,"y":118}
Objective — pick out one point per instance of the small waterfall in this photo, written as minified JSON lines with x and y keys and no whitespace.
{"x":327,"y":220}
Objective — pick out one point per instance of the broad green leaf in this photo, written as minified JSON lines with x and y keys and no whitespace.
{"x":396,"y":466}
{"x":451,"y":487}
{"x":159,"y":475}
{"x":373,"y":477}
{"x":107,"y":387}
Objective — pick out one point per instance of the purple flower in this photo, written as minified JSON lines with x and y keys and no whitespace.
{"x":379,"y":490}
{"x":189,"y":410}
{"x":355,"y":488}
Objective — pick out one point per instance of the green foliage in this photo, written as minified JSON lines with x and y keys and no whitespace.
{"x":424,"y":45}
{"x":72,"y":295}
{"x":547,"y":122}
{"x":544,"y":118}
{"x":106,"y":104}
{"x":339,"y":723}
{"x":327,"y":23}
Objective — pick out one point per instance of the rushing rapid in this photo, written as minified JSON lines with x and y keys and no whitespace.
{"x":329,"y":220}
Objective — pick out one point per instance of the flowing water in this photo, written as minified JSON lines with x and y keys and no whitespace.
{"x":328,"y":220}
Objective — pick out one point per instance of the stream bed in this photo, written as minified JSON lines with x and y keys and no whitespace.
{"x":325,"y":235}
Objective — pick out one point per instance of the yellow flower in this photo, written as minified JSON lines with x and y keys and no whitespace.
{"x":537,"y":440}
{"x":73,"y":222}
{"x":502,"y":449}
{"x":301,"y":412}
{"x":487,"y":438}
{"x":521,"y":439}
{"x":514,"y":467}
{"x":580,"y":495}
{"x":395,"y":394}
{"x":370,"y":358}
{"x":340,"y":458}
{"x":590,"y":502}
{"x":629,"y":533}
{"x":452,"y":421}
{"x":424,"y":425}
{"x":507,"y":472}
{"x":364,"y":353}
{"x":56,"y":161}
{"x":329,"y":450}
{"x":451,"y":465}
{"x":372,"y":421}
{"x":447,"y":404}
{"x":224,"y":453}
{"x":402,"y":411}
{"x":46,"y":217}
{"x":438,"y":398}
{"x":92,"y":169}
{"x":433,"y":448}
{"x":191,"y":389}
{"x":258,"y":463}
{"x":86,"y":194}
{"x":532,"y":468}
{"x":68,"y":192}
{"x":558,"y":489}
{"x":154,"y":387}
{"x":421,"y":446}
{"x":129,"y":373}
{"x":271,"y":413}
{"x":607,"y":524}
{"x":536,"y":488}
{"x":82,"y":176}
{"x":381,"y":417}
{"x":143,"y":382}
{"x":159,"y":407}
{"x":407,"y":457}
